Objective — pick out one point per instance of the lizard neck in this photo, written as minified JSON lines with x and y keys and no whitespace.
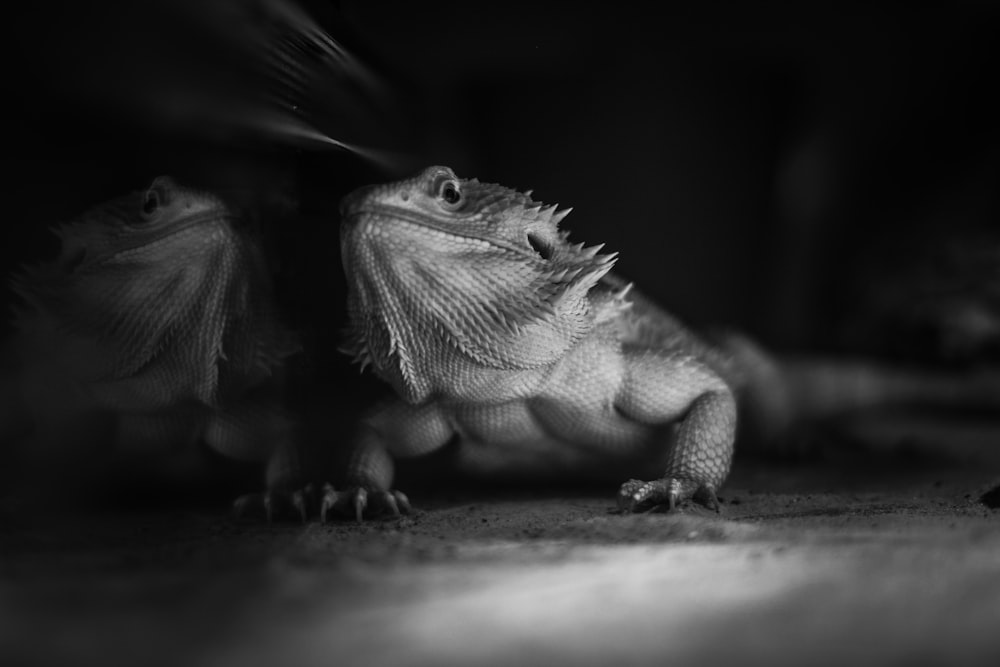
{"x":420,"y":331}
{"x":425,"y":364}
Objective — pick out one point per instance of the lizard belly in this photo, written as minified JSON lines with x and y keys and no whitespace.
{"x":539,"y":437}
{"x":569,"y":426}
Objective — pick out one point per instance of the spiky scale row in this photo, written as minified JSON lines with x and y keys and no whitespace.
{"x":490,"y":294}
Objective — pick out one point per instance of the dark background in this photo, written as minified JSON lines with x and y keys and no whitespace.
{"x":793,"y":172}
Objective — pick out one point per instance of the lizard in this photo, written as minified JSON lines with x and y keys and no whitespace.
{"x":524,"y":350}
{"x":157,"y":314}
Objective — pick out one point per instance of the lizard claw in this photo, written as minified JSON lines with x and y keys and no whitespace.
{"x":272,"y":502}
{"x":360,"y":501}
{"x":636,"y":495}
{"x":268,"y":502}
{"x":298,"y":501}
{"x":255,"y":502}
{"x":395,"y":502}
{"x":330,"y":497}
{"x":242,"y":504}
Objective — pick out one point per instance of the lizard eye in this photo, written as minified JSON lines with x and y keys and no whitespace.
{"x":448,"y":191}
{"x":150,"y":203}
{"x":156,"y":196}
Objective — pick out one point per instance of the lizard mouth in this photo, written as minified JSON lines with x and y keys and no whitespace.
{"x":386,"y":217}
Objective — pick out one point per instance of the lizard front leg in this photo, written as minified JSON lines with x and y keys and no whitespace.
{"x":394,"y":430}
{"x":370,"y":471}
{"x":661,"y":387}
{"x":261,"y":433}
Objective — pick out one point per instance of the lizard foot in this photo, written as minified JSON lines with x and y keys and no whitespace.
{"x":636,"y":495}
{"x":273,"y":502}
{"x":359,"y":501}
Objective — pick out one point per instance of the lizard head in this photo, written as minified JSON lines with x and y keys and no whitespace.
{"x":156,"y":277}
{"x":438,"y":265}
{"x":137,"y":243}
{"x":145,"y":224}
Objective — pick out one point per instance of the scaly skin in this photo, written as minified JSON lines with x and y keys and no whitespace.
{"x":157,"y":313}
{"x":496,"y":331}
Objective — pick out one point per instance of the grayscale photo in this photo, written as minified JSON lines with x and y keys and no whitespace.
{"x":355,"y":332}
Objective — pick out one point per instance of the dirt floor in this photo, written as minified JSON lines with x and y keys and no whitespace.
{"x":857,"y":560}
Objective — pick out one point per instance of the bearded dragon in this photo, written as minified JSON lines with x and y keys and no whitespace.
{"x":153,"y":330}
{"x":499,"y":335}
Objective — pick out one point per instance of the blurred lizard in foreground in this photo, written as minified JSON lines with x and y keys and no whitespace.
{"x":153,"y":332}
{"x":498,"y":334}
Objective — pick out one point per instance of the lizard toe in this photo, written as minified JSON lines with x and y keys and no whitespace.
{"x":328,"y":501}
{"x":403,"y":502}
{"x":631,"y":495}
{"x":362,"y":502}
{"x":392,"y":502}
{"x":243,"y":504}
{"x":274,"y":503}
{"x":705,"y":496}
{"x":298,"y":501}
{"x":260,"y":503}
{"x":637,"y":495}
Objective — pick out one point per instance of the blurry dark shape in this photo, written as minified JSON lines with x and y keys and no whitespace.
{"x":930,"y":292}
{"x":887,"y":173}
{"x":991,"y":498}
{"x":942,"y":304}
{"x":151,"y":334}
{"x":219,"y":69}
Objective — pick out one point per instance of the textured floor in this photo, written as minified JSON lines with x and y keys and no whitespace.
{"x":814,"y":564}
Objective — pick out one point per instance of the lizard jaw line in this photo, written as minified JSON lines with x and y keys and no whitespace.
{"x":398,"y":215}
{"x":194,"y":221}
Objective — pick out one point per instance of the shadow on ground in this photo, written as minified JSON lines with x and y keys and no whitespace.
{"x":855,"y":561}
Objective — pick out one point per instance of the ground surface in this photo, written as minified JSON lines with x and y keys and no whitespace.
{"x":819,"y":563}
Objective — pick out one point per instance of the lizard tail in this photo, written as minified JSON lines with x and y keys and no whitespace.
{"x":776,"y":393}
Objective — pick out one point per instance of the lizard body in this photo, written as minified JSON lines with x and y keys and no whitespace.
{"x":500,"y":336}
{"x":157,"y":316}
{"x":495,"y":330}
